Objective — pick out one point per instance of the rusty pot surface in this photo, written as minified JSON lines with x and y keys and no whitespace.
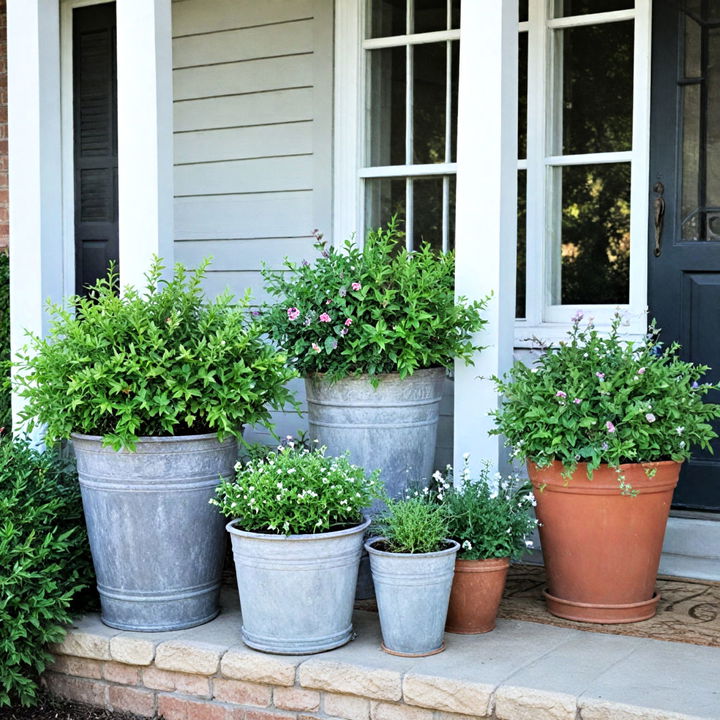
{"x":602,"y":549}
{"x":475,"y":596}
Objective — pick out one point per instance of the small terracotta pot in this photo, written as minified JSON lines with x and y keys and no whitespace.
{"x":476,"y":592}
{"x":602,"y":549}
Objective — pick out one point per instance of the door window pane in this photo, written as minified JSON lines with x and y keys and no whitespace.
{"x":429,"y":92}
{"x":385,"y":107}
{"x":520,"y":279}
{"x":384,"y":198}
{"x":593,"y":256}
{"x":386,"y":18}
{"x":567,"y":8}
{"x":597,"y":85}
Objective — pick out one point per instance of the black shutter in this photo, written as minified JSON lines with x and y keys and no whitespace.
{"x":95,"y":140}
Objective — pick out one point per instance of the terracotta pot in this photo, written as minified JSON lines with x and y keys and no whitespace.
{"x":602,"y":549}
{"x":475,"y":596}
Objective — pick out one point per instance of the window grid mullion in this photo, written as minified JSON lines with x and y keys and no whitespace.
{"x":409,"y":129}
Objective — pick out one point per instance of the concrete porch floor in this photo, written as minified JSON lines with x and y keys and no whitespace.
{"x":520,"y":671}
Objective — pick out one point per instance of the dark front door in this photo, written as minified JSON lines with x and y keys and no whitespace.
{"x":684,"y":252}
{"x":95,"y":140}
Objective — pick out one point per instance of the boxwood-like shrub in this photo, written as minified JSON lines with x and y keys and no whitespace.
{"x":4,"y":341}
{"x":44,"y":562}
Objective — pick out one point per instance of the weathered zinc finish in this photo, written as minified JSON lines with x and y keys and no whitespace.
{"x":413,"y":592}
{"x":392,"y":427}
{"x":157,"y":543}
{"x":297,"y":591}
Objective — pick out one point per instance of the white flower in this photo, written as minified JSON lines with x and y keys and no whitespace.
{"x":529,"y":544}
{"x":679,"y":429}
{"x":467,"y":545}
{"x":438,"y":476}
{"x":466,"y":456}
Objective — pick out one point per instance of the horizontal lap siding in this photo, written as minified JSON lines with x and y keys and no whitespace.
{"x":252,"y":140}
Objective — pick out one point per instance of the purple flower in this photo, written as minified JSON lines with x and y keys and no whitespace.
{"x":641,"y":371}
{"x":610,"y":427}
{"x":255,"y":313}
{"x":342,"y":292}
{"x":578,"y":316}
{"x":325,"y":318}
{"x":650,"y":417}
{"x":344,"y":331}
{"x":577,"y":401}
{"x":604,"y":446}
{"x":328,"y":301}
{"x":305,"y":263}
{"x":561,"y":394}
{"x":293,"y":313}
{"x":356,"y":286}
{"x":600,"y":375}
{"x":695,"y":385}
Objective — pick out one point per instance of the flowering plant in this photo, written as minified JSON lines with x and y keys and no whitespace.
{"x":294,"y":491}
{"x":599,"y":399}
{"x":378,"y":309}
{"x":158,"y":361}
{"x":489,"y":517}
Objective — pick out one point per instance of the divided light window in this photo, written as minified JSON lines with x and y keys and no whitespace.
{"x":408,"y":168}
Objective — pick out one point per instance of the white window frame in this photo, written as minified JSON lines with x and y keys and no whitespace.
{"x":543,"y":319}
{"x":351,"y":122}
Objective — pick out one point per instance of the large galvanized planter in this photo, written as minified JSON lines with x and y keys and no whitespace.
{"x":157,"y":543}
{"x":413,"y":592}
{"x":392,"y":428}
{"x":297,"y":591}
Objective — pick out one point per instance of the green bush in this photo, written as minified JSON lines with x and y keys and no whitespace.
{"x":375,"y":309}
{"x":44,"y":563}
{"x":5,"y":419}
{"x":157,"y":362}
{"x":415,"y":524}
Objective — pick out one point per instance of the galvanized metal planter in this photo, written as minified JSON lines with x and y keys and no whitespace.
{"x":392,"y":427}
{"x":412,"y":593}
{"x":157,"y":543}
{"x":297,"y":591}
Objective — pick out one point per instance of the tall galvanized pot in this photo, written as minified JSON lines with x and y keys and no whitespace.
{"x":392,"y":428}
{"x":412,"y":592}
{"x":157,"y":543}
{"x":297,"y":591}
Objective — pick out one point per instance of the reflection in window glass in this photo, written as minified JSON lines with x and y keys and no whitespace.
{"x":594,"y":253}
{"x":386,"y":18}
{"x":566,"y":8}
{"x":430,"y":16}
{"x":521,"y":274}
{"x":428,"y":212}
{"x":429,"y":89}
{"x":384,"y":198}
{"x":597,"y":88}
{"x":386,"y":107}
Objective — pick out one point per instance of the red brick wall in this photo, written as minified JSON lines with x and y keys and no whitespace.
{"x":4,"y":220}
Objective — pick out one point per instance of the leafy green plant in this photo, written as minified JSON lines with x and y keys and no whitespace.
{"x":415,"y":524}
{"x":295,"y":491}
{"x":599,"y":399}
{"x":44,"y":563}
{"x":5,"y":418}
{"x":490,"y":517}
{"x":378,"y":309}
{"x":159,"y":362}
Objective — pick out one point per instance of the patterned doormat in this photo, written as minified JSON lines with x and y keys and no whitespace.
{"x":689,"y":610}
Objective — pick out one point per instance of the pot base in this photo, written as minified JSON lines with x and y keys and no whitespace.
{"x":602,"y":614}
{"x":186,"y":625}
{"x":437,"y":651}
{"x":477,"y":631}
{"x":297,"y":646}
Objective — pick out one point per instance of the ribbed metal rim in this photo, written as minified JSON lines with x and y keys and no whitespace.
{"x":380,"y":376}
{"x":455,"y":546}
{"x":230,"y":527}
{"x":158,"y":438}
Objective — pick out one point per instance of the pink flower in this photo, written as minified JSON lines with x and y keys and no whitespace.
{"x":577,"y":401}
{"x":316,"y":347}
{"x":348,"y":322}
{"x":610,"y":427}
{"x":293,"y":313}
{"x":600,"y":375}
{"x":578,"y":316}
{"x":328,"y":301}
{"x":343,"y":331}
{"x":641,"y":371}
{"x":561,"y":394}
{"x":325,"y":318}
{"x":356,"y":286}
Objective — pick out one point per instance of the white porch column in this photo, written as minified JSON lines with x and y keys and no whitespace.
{"x":486,"y":211}
{"x":145,"y":141}
{"x":35,"y":178}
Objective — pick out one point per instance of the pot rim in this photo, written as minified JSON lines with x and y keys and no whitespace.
{"x":501,"y":561}
{"x":158,"y":438}
{"x":652,"y":463}
{"x":363,"y":376}
{"x":454,"y":547}
{"x":230,"y":527}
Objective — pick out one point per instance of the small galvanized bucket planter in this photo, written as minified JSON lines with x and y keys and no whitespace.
{"x":413,"y":591}
{"x":157,"y":543}
{"x":297,"y":591}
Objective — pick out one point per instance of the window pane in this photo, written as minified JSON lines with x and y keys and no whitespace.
{"x":451,"y":212}
{"x":597,"y":88}
{"x":455,"y":73}
{"x":429,"y":83}
{"x":386,"y":18}
{"x":427,"y":212}
{"x":522,"y":94}
{"x":383,"y":199}
{"x":523,"y":10}
{"x":430,"y":15}
{"x":566,"y":8}
{"x":386,"y":107}
{"x":455,"y":14}
{"x":520,"y":277}
{"x":593,"y":260}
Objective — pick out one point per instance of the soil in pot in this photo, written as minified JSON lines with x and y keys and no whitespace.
{"x":475,"y":596}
